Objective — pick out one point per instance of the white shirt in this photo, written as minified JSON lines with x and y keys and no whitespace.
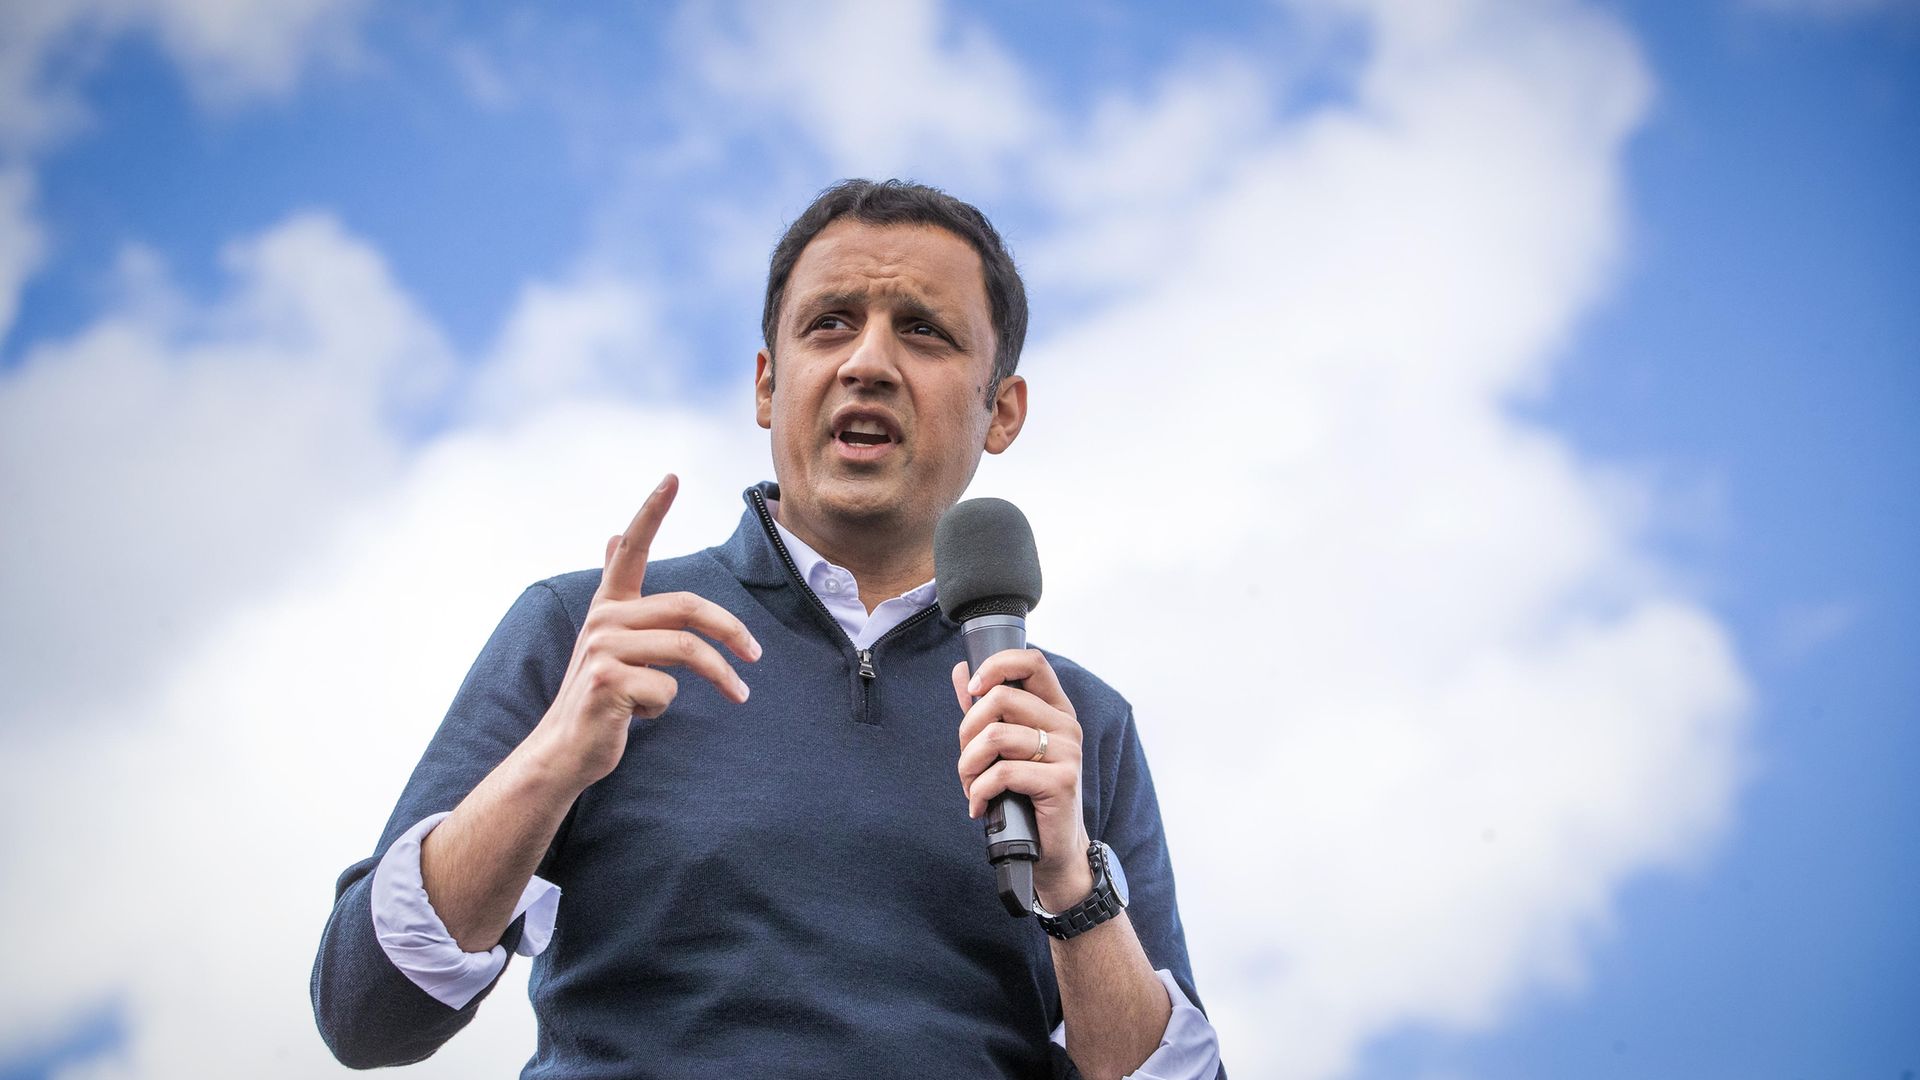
{"x":417,"y":942}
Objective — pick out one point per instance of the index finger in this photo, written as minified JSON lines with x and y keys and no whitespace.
{"x":627,"y":565}
{"x":1027,"y":667}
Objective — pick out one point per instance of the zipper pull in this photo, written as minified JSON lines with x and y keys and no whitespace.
{"x":866,"y":665}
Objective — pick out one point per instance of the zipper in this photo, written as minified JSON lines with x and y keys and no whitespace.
{"x":867,"y":670}
{"x":917,"y":617}
{"x":793,"y":568}
{"x":869,"y":674}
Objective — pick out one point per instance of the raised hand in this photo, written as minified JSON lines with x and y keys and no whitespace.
{"x":627,"y":638}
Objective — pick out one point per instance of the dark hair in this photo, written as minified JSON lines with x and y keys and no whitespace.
{"x":902,"y":202}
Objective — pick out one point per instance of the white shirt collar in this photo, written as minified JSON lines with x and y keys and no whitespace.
{"x":837,"y":590}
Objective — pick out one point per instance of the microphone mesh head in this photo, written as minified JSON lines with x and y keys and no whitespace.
{"x":984,"y":560}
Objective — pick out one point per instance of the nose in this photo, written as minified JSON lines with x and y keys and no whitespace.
{"x":873,"y":362}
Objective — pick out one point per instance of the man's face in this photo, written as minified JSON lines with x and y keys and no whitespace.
{"x":877,"y":391}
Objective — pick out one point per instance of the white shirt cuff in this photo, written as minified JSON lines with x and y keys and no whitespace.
{"x":1189,"y":1048}
{"x":414,"y":938}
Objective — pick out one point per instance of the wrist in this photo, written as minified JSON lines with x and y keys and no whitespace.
{"x":1065,"y":886}
{"x":543,"y":771}
{"x":1106,"y":898}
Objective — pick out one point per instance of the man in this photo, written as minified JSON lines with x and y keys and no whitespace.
{"x":782,"y":880}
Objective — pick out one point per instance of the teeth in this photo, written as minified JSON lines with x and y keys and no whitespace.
{"x":866,"y":427}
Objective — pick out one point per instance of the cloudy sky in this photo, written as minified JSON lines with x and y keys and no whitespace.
{"x":1514,"y":402}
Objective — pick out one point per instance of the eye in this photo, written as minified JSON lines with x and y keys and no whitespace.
{"x":926,"y":329}
{"x":831,"y":322}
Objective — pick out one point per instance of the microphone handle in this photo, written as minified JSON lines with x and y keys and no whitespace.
{"x":1013,"y":833}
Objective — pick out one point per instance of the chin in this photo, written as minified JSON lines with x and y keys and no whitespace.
{"x":863,"y":502}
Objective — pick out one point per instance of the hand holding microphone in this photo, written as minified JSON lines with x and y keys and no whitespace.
{"x":1020,"y":739}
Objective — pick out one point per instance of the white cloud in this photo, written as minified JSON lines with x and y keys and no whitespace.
{"x":22,"y":242}
{"x":228,"y":51}
{"x":1434,"y":707}
{"x":1804,"y":629}
{"x":236,"y":49}
{"x":171,"y":458}
{"x":241,"y":609}
{"x":881,"y":88}
{"x":1126,"y":186}
{"x":595,"y":334}
{"x":278,"y":739}
{"x":1432,"y":680}
{"x":33,"y":106}
{"x":480,"y":76}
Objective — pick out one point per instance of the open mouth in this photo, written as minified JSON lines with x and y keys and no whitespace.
{"x":865,"y":433}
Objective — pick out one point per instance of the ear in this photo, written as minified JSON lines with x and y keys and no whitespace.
{"x":1009,"y":413}
{"x":763,"y":389}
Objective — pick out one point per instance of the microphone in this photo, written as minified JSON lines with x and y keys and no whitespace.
{"x":987,"y":574}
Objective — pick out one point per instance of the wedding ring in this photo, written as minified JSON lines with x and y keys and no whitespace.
{"x":1041,"y":753}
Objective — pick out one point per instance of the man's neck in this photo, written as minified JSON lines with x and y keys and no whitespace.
{"x":880,"y":570}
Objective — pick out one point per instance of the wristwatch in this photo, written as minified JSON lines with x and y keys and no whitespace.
{"x":1109,"y":897}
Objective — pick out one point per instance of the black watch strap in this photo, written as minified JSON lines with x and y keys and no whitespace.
{"x":1099,"y":906}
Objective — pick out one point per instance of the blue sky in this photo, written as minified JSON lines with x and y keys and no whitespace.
{"x":1581,"y":336}
{"x":1765,"y":345}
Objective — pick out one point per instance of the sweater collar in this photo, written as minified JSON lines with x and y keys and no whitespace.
{"x":754,"y":553}
{"x":758,"y":554}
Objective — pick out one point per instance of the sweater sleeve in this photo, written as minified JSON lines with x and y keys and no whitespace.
{"x":1131,"y":826}
{"x":418,"y":943}
{"x":368,"y":1011}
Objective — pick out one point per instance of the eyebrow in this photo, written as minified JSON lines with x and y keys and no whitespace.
{"x":908,"y":308}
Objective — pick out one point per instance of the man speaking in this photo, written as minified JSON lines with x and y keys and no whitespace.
{"x":731,"y":801}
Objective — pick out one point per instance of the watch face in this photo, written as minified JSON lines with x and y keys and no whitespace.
{"x":1114,"y":873}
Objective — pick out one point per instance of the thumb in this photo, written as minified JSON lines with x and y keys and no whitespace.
{"x":960,"y":686}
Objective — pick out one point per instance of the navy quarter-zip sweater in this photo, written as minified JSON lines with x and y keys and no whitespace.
{"x":789,"y":887}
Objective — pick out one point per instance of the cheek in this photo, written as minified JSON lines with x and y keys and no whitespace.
{"x":790,"y":418}
{"x":961,"y":434}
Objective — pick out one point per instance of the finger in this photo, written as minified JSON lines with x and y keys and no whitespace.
{"x":644,"y":692}
{"x":1014,"y":706}
{"x":670,"y":648}
{"x":1044,"y":783}
{"x":1026,"y":666}
{"x":627,"y":566}
{"x":1014,"y":742}
{"x":678,"y":611}
{"x":960,"y":687}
